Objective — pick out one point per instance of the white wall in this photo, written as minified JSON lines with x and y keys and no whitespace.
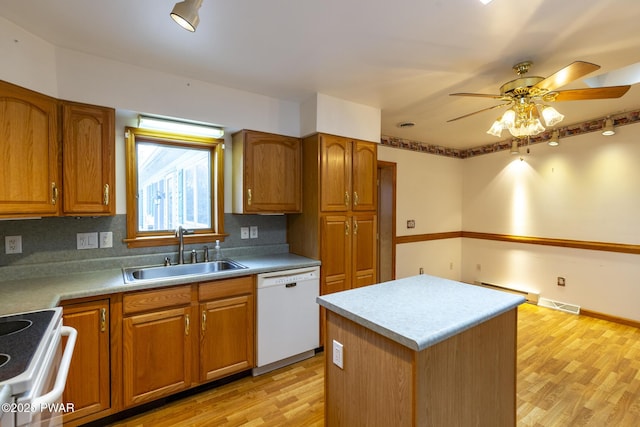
{"x":586,"y":189}
{"x":428,"y":189}
{"x":27,"y":60}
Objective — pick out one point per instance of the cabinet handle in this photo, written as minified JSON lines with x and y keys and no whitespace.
{"x":204,"y":320}
{"x":355,"y":227}
{"x":105,"y":195}
{"x":346,"y":198}
{"x":54,"y":193}
{"x":186,"y":324}
{"x":356,"y":199}
{"x":103,"y":319}
{"x":249,"y":196}
{"x":346,"y":228}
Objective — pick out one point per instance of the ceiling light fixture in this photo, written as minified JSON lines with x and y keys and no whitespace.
{"x":523,"y":119}
{"x":185,"y":13}
{"x":608,"y":128}
{"x":554,"y":141}
{"x":186,"y":128}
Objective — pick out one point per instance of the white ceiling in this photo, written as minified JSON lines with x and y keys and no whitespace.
{"x":402,"y":56}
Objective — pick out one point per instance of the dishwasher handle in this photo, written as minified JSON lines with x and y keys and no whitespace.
{"x":291,"y":285}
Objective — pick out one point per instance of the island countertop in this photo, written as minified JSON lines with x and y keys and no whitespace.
{"x":420,"y":311}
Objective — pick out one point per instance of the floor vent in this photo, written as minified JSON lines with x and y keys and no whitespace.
{"x":531,"y":296}
{"x":557,"y":305}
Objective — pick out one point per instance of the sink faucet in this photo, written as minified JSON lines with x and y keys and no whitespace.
{"x":180,"y":232}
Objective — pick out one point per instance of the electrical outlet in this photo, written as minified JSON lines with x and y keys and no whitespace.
{"x":421,"y":270}
{"x":338,"y":354}
{"x":561,"y":281}
{"x":411,"y":223}
{"x":87,"y":240}
{"x":244,"y":232}
{"x":253,"y":232}
{"x":106,"y":239}
{"x":12,"y":244}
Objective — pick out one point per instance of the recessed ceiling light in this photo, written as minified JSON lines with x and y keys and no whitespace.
{"x":485,"y":1}
{"x":406,"y":124}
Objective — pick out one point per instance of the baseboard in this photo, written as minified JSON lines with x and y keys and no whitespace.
{"x":621,"y":320}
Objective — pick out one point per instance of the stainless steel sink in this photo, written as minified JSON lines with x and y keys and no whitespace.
{"x":133,"y":274}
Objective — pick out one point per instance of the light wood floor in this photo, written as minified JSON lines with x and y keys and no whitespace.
{"x":572,"y":371}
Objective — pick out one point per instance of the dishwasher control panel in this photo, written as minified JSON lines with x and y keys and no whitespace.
{"x":288,"y":276}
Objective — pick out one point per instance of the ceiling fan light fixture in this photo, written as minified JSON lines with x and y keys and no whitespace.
{"x":551,"y":116}
{"x":185,"y":13}
{"x":608,"y":128}
{"x":554,"y":141}
{"x":496,"y":128}
{"x":508,"y":118}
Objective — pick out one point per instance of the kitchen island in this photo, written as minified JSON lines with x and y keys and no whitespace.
{"x":421,"y":351}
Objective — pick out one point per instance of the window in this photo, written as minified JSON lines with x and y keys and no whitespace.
{"x":173,"y":180}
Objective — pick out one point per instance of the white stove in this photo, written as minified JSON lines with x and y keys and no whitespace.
{"x":33,"y":367}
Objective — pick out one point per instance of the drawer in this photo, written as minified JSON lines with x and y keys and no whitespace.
{"x":225,"y":288}
{"x":137,"y":302}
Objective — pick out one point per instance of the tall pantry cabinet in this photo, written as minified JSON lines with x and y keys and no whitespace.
{"x":338,"y":223}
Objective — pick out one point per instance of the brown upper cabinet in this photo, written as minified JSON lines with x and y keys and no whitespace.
{"x":88,"y":148}
{"x":347,"y":176}
{"x":32,"y":182}
{"x":30,"y":176}
{"x":266,"y":173}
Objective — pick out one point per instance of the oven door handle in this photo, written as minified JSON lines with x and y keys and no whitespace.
{"x":61,"y":378}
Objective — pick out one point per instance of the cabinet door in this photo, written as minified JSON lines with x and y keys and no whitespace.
{"x":364,"y":242}
{"x":88,"y":382}
{"x":335,"y":174}
{"x":30,"y":176}
{"x":156,"y":354}
{"x":88,"y":148}
{"x":364,"y":176}
{"x":227,"y":336}
{"x":272,"y":173}
{"x":335,"y":254}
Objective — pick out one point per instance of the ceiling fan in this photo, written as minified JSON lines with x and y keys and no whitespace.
{"x":525,"y":97}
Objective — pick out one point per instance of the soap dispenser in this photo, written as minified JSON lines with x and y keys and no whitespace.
{"x":217,"y":252}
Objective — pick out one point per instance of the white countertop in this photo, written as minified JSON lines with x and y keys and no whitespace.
{"x":420,"y":311}
{"x":46,"y":292}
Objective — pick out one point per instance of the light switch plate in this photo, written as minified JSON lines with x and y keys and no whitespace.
{"x":87,"y":240}
{"x":253,"y":232}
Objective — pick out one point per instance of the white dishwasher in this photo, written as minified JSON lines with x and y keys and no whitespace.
{"x":288,"y":317}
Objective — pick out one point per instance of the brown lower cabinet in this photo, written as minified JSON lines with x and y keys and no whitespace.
{"x":227,"y":327}
{"x":139,"y":346}
{"x":88,"y":382}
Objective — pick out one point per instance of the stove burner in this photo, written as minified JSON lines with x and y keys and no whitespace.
{"x":4,"y":359}
{"x":20,"y":336}
{"x":13,"y":326}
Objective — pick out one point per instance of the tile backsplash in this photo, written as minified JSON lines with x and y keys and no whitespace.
{"x":53,"y":240}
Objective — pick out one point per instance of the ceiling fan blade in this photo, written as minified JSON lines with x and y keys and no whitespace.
{"x":479,"y":111}
{"x":571,"y":72}
{"x":477,"y":95}
{"x":592,"y":93}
